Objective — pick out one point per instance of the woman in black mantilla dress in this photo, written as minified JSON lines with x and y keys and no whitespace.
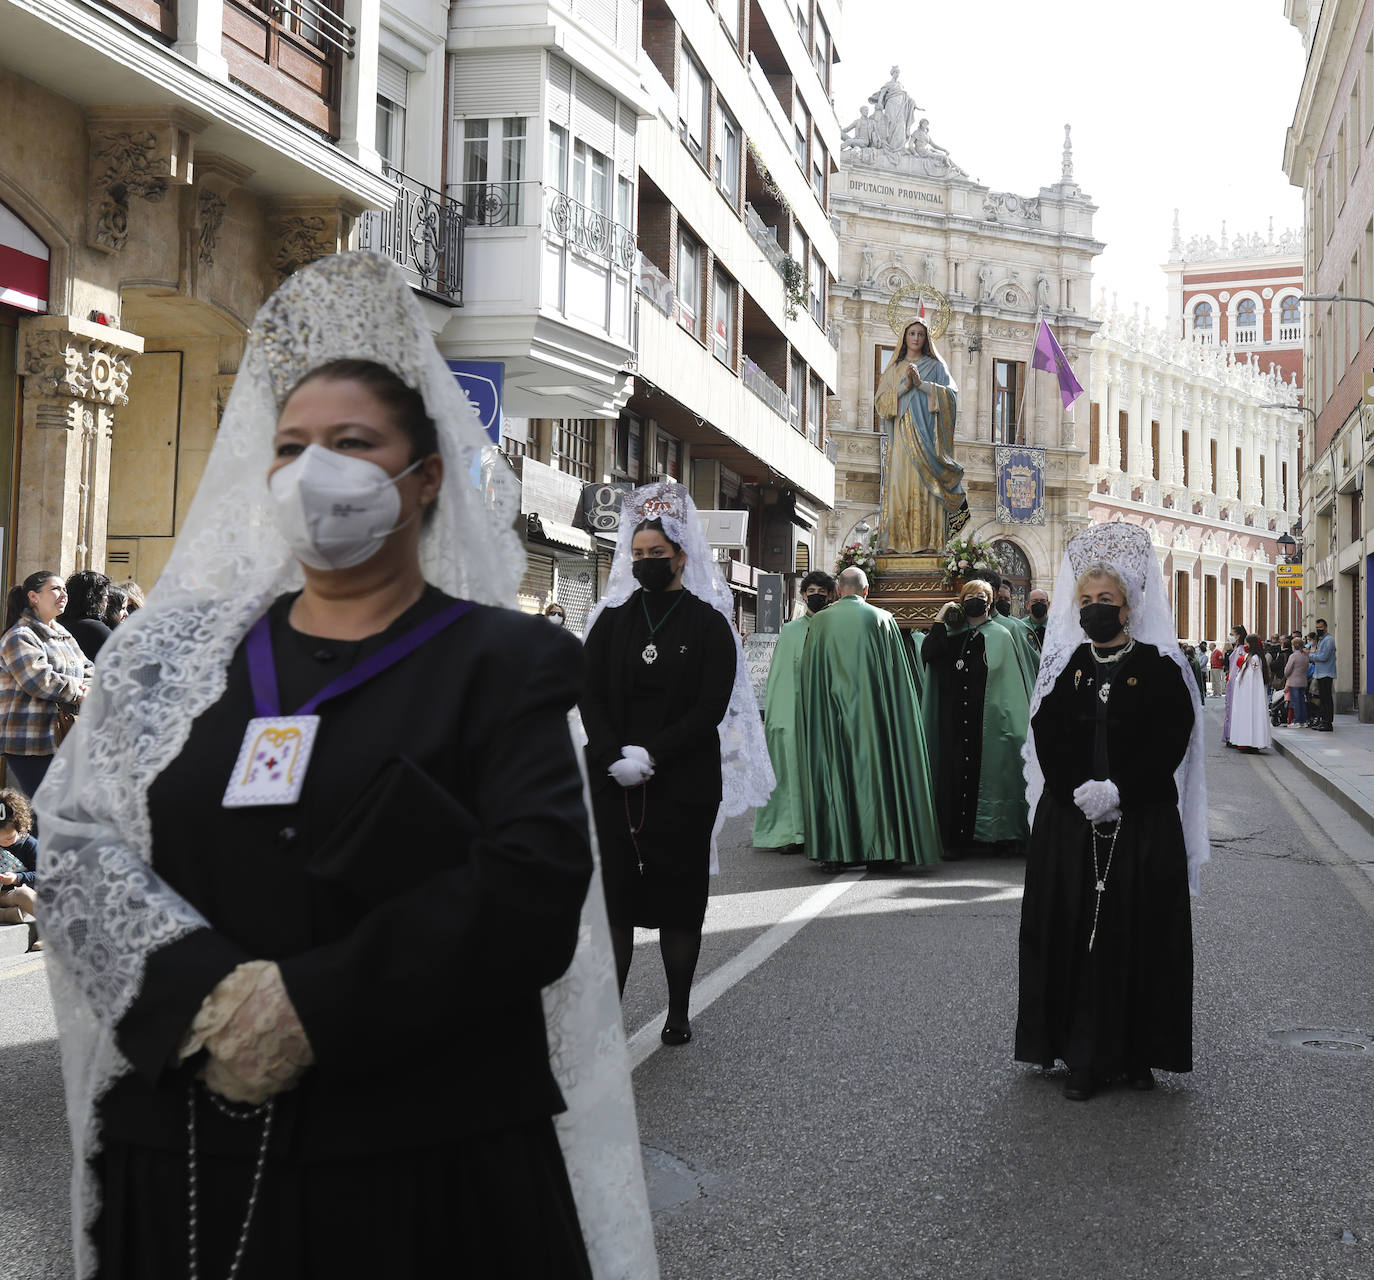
{"x":660,"y":672}
{"x":1106,"y":955}
{"x":318,"y":854}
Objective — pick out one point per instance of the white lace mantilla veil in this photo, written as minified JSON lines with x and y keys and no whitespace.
{"x":1127,"y":548}
{"x":105,"y":908}
{"x":746,"y":771}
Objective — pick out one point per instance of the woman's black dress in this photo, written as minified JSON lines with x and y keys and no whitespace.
{"x":656,"y":839}
{"x":960,"y":666}
{"x":423,"y":889}
{"x":1127,"y":1004}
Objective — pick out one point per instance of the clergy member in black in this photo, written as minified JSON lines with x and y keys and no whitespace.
{"x":419,"y":894}
{"x":660,"y":669}
{"x":1106,"y":977}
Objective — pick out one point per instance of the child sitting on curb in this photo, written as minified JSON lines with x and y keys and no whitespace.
{"x":18,"y":862}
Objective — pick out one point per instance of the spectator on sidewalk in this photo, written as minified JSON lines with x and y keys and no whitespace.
{"x":88,"y":596}
{"x":18,"y":860}
{"x":1295,"y":681}
{"x":1321,"y":716}
{"x":1216,"y":669}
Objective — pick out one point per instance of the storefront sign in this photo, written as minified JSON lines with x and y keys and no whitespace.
{"x":758,"y":653}
{"x":482,"y":381}
{"x":1020,"y":484}
{"x":601,"y":504}
{"x":771,"y":597}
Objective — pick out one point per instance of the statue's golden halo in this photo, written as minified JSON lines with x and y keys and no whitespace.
{"x":904,"y":307}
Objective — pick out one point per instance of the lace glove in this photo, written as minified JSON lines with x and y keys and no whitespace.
{"x":1099,"y":800}
{"x":250,"y":1029}
{"x":633,"y":768}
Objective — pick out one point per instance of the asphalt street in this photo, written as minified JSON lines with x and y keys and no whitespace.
{"x":848,"y":1106}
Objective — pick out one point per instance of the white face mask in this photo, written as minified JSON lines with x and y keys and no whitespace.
{"x":333,"y":510}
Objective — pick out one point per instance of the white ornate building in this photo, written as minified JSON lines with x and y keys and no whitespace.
{"x":1184,"y":440}
{"x":912,"y":215}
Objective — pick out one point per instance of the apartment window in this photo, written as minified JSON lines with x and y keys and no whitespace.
{"x":729,"y":18}
{"x":1354,"y":118}
{"x":1123,"y":437}
{"x":1212,"y":457}
{"x":804,"y":24}
{"x":822,"y":52}
{"x":1247,"y":321}
{"x":629,"y":442}
{"x":1094,"y":429}
{"x":1187,"y":455}
{"x":392,"y":81}
{"x":1202,"y":317}
{"x":625,"y":203}
{"x":556,"y":166}
{"x":591,"y":179}
{"x":798,"y":391}
{"x":1240,"y":482}
{"x":815,"y":289}
{"x":692,"y":107}
{"x":881,"y":356}
{"x":1283,"y":481}
{"x":574,"y":447}
{"x":668,"y":452}
{"x":1154,"y":450}
{"x":493,"y":192}
{"x":1341,"y":179}
{"x":723,"y":330}
{"x":1290,"y":311}
{"x":815,"y":410}
{"x":801,"y":125}
{"x":820,"y":162}
{"x":688,"y":282}
{"x":1006,"y":391}
{"x":728,"y":154}
{"x":1264,"y":487}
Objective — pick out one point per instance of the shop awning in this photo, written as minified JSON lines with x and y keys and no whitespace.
{"x":23,"y":265}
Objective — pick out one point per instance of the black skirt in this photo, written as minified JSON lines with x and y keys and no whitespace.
{"x":660,"y":875}
{"x":1129,"y":1002}
{"x":496,"y":1206}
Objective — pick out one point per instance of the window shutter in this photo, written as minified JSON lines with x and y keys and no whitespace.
{"x":560,"y":91}
{"x":594,"y":115}
{"x":496,"y":82}
{"x":391,"y":80}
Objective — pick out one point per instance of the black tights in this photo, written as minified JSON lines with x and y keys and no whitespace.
{"x":680,"y":949}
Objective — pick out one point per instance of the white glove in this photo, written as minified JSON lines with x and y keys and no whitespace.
{"x":1099,"y":800}
{"x":632,"y":771}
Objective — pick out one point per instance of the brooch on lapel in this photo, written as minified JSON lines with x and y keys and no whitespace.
{"x":1077,"y":676}
{"x":1131,"y":682}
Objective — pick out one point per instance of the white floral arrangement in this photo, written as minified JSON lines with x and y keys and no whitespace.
{"x":964,"y":557}
{"x":863,"y":555}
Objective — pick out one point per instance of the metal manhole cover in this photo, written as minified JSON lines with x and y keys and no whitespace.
{"x":1325,"y":1040}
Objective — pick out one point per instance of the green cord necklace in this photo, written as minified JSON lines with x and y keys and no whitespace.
{"x":650,"y":650}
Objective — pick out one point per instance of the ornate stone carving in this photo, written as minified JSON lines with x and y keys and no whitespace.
{"x":304,"y":231}
{"x":1005,"y":205}
{"x":132,"y":157}
{"x":887,"y":135}
{"x":210,"y":208}
{"x":64,"y":365}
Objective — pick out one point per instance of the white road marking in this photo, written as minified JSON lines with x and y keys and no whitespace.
{"x":716,"y":983}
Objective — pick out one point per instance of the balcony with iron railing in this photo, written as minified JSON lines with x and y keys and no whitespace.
{"x":423,"y":233}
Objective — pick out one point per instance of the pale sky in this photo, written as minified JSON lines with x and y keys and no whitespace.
{"x":1177,"y":104}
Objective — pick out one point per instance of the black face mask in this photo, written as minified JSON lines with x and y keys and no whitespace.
{"x":1038,"y":610}
{"x":1101,"y":622}
{"x":1004,"y":608}
{"x":815,"y":602}
{"x":975,"y":607}
{"x":653,"y":574}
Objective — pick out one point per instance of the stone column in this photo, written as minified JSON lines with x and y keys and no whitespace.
{"x":76,"y":373}
{"x":1111,"y":455}
{"x":1137,"y":442}
{"x":1199,"y":480}
{"x":200,"y":30}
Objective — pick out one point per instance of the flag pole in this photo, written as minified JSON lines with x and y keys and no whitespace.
{"x":1030,"y":368}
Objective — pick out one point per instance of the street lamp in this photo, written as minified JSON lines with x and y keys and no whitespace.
{"x":1292,"y":548}
{"x":1332,"y":297}
{"x":1292,"y":408}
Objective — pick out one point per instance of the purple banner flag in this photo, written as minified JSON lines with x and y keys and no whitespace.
{"x":1050,"y":356}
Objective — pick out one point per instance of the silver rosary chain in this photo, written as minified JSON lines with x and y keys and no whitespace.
{"x":265,"y":1110}
{"x":1100,"y":877}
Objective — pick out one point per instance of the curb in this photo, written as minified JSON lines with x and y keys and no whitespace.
{"x":1334,"y":789}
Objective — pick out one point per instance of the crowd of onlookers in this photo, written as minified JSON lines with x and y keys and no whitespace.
{"x":53,"y":631}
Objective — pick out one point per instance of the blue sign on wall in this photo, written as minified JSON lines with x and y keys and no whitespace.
{"x":482,"y":381}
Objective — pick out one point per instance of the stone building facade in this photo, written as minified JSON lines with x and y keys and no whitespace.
{"x":137,"y":241}
{"x":1196,"y":446}
{"x":912,"y":216}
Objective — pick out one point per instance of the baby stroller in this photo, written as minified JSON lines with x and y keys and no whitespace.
{"x":1278,"y":709}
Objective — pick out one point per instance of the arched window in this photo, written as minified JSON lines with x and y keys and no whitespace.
{"x":1016,"y":572}
{"x":1247,"y":323}
{"x":1202,"y":315}
{"x":1291,"y":310}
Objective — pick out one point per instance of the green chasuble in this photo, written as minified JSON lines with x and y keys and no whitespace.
{"x":779,"y":823}
{"x":866,"y":788}
{"x":1002,"y":810}
{"x":1030,"y":647}
{"x":1027,"y":656}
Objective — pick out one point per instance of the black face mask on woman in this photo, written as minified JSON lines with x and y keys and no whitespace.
{"x":1101,"y":622}
{"x":975,"y":607}
{"x":653,"y":574}
{"x":1004,"y":608}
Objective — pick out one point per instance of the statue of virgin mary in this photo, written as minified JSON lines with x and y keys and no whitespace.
{"x":923,"y":497}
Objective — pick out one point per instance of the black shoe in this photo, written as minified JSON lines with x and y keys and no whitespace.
{"x":676,"y":1035}
{"x":1140,"y":1078}
{"x":831,"y":868}
{"x":1080,"y":1086}
{"x":790,"y":848}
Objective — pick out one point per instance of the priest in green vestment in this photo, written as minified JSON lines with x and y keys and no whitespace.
{"x":779,"y":825}
{"x":977,"y":713}
{"x":1027,"y":655}
{"x":866,"y":789}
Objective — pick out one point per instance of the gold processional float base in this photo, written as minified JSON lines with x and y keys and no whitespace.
{"x":911,"y":588}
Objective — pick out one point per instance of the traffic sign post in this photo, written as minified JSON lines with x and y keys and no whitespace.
{"x":1289,"y":576}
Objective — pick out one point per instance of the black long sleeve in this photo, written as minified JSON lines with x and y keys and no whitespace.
{"x":712,"y":698}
